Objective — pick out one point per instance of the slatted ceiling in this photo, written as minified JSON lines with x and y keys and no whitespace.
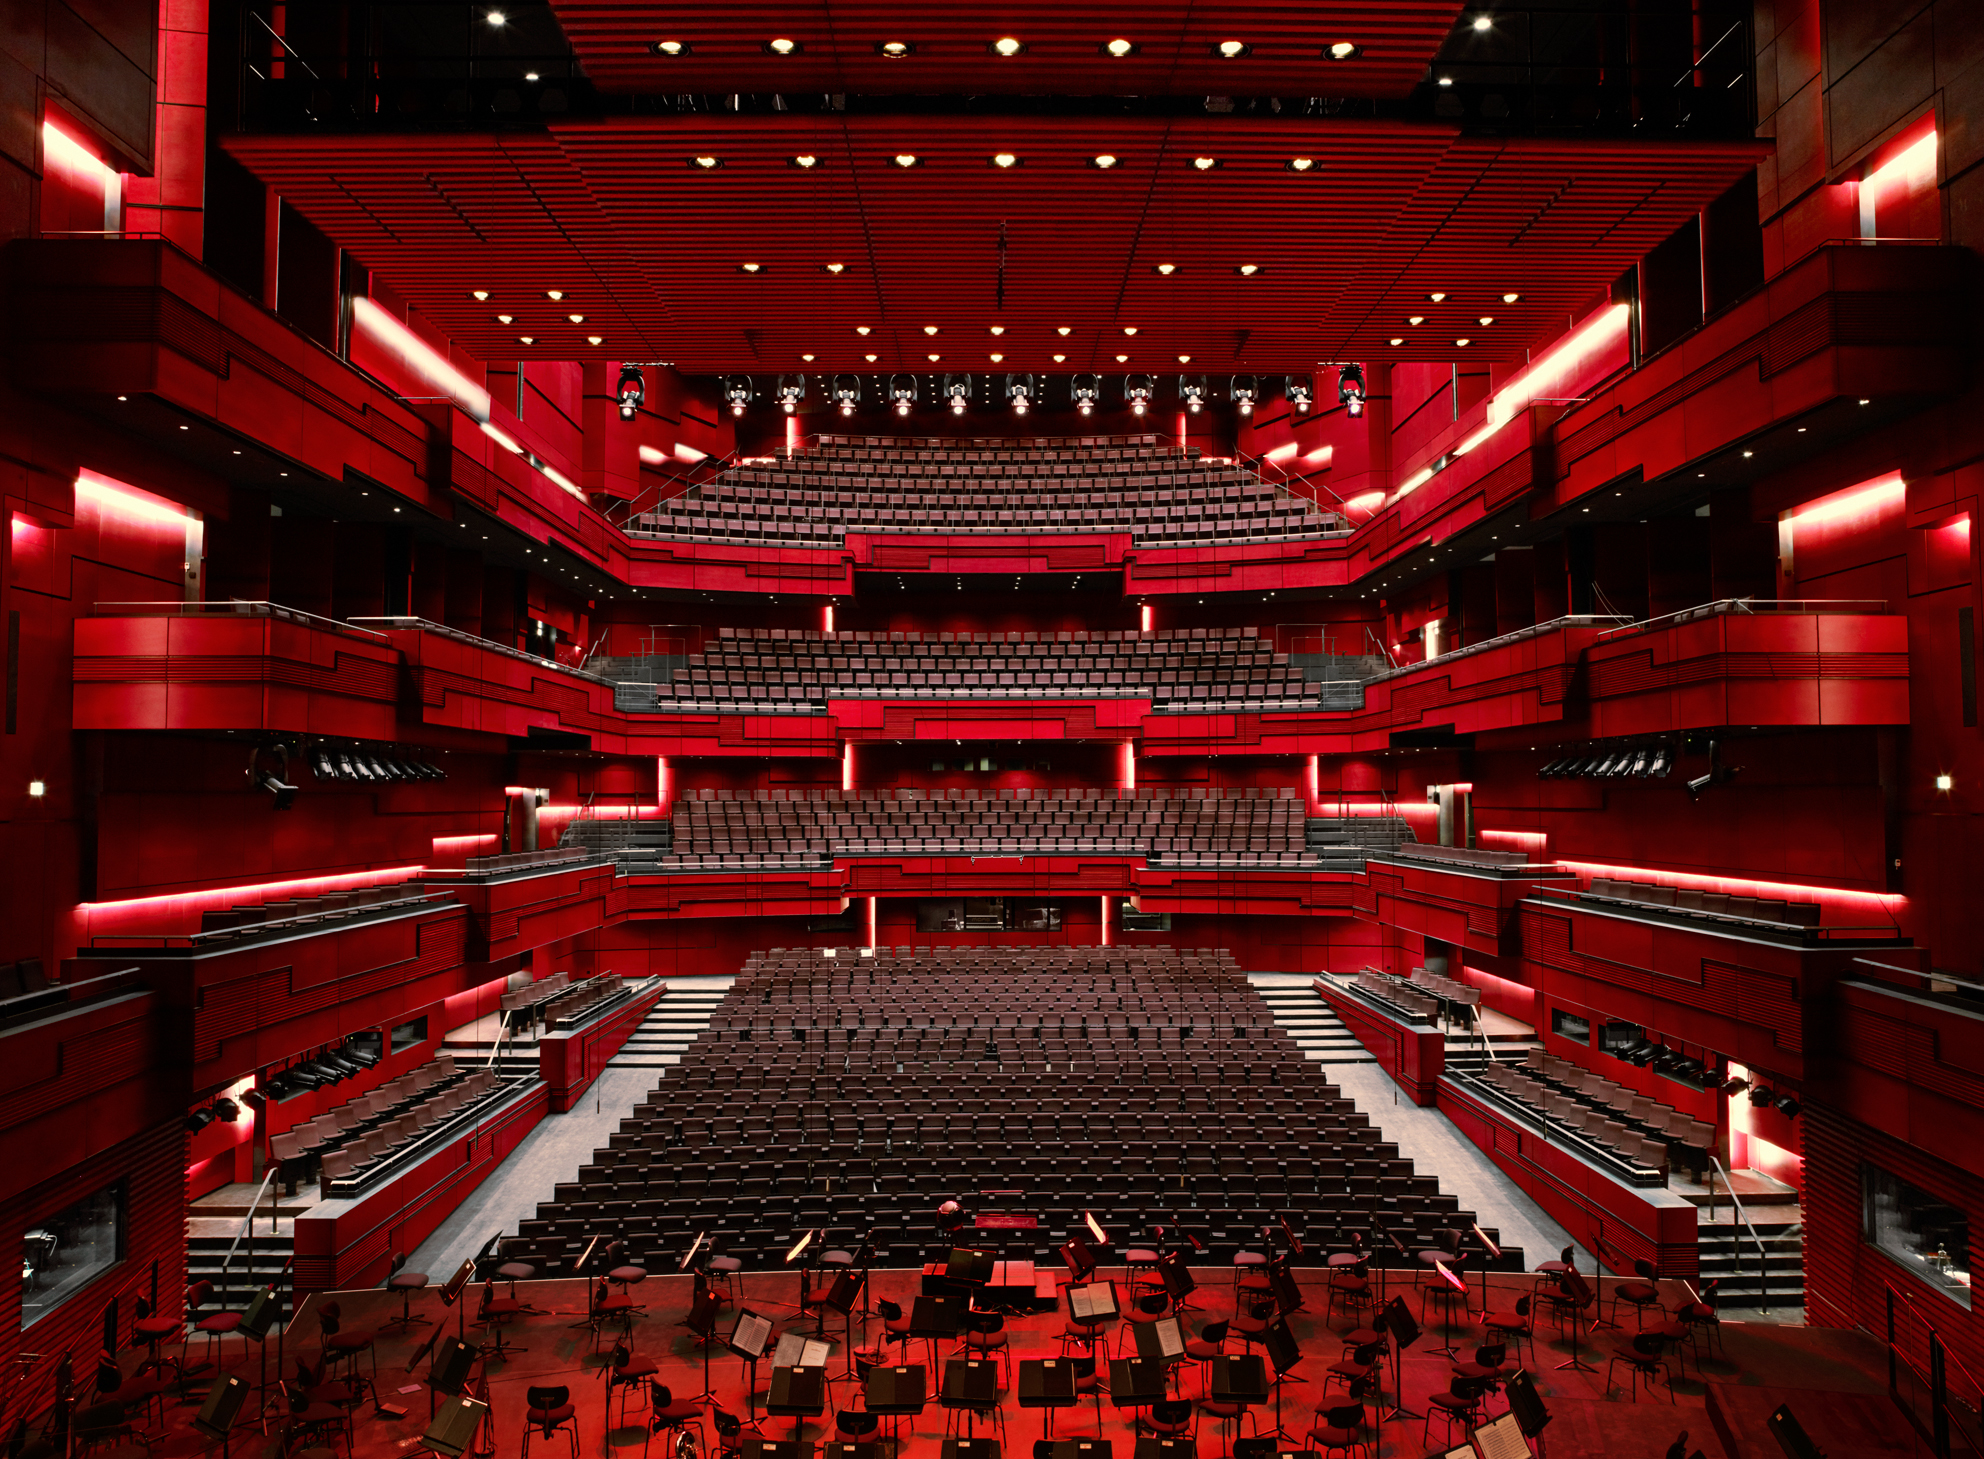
{"x":1175,"y":43}
{"x":648,"y":248}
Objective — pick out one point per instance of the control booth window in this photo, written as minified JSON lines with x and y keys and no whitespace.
{"x":1925,"y":1233}
{"x":1570,"y":1026}
{"x":63,"y":1253}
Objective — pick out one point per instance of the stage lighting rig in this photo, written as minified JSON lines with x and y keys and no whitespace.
{"x":1020,"y":392}
{"x":1192,"y":392}
{"x":902,"y":393}
{"x":1245,"y":390}
{"x":791,"y":390}
{"x":737,"y":392}
{"x":1350,"y":388}
{"x":957,"y":393}
{"x":632,"y":390}
{"x":1301,"y":391}
{"x":1086,"y":393}
{"x":1138,"y":391}
{"x":846,"y":393}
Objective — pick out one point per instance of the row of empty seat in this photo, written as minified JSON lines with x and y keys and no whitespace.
{"x":1159,"y":494}
{"x":256,"y":917}
{"x":850,"y":1092}
{"x":1717,"y":905}
{"x":353,"y":1142}
{"x":826,"y":823}
{"x":781,"y":667}
{"x":1627,"y":1142}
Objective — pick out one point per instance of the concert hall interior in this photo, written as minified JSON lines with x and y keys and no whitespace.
{"x":1136,"y":723}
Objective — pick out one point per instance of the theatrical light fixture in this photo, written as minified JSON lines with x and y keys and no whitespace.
{"x":1232,"y":50}
{"x":1167,"y":269}
{"x":930,"y":329}
{"x":506,"y":319}
{"x":1063,"y":330}
{"x":1205,"y":164}
{"x":670,"y":48}
{"x":791,"y":390}
{"x":995,"y":357}
{"x":1945,"y":782}
{"x":846,"y":393}
{"x":1482,"y":22}
{"x":1345,"y":51}
{"x":902,"y":393}
{"x":1245,"y":389}
{"x":737,"y":393}
{"x":1021,"y":391}
{"x":1005,"y":159}
{"x":1060,"y":359}
{"x":870,"y":358}
{"x":905,"y":159}
{"x":1103,"y":160}
{"x":632,"y":390}
{"x":1129,"y":329}
{"x":1247,"y":270}
{"x":497,"y":18}
{"x":1122,"y":359}
{"x":1137,"y":393}
{"x":750,"y":268}
{"x":1788,"y":1106}
{"x":1184,"y":359}
{"x":1463,"y":342}
{"x":1396,"y":340}
{"x":1192,"y":392}
{"x":1437,"y":298}
{"x":1120,"y":48}
{"x":1487,"y":319}
{"x":1415,"y":320}
{"x":957,"y":393}
{"x":1762,"y":1094}
{"x":198,"y":1120}
{"x":554,"y":295}
{"x":862,"y":330}
{"x":1086,"y":393}
{"x":834,"y":268}
{"x":1510,"y":298}
{"x":37,"y":788}
{"x":1301,"y":164}
{"x":806,"y":160}
{"x":783,"y":46}
{"x":1301,"y":390}
{"x":576,"y":318}
{"x":1350,"y":388}
{"x":478,"y":295}
{"x":895,"y":50}
{"x":996,"y":329}
{"x":226,"y":1110}
{"x":706,"y":162}
{"x":1007,"y":46}
{"x":1735,"y":1086}
{"x":595,"y":339}
{"x":255,"y":1099}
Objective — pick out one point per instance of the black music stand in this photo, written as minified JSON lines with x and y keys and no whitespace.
{"x":1081,"y":1261}
{"x":1149,"y":1448}
{"x":217,"y":1416}
{"x":1603,"y":1249}
{"x":849,"y":1283}
{"x":1284,"y":1352}
{"x":452,"y":1432}
{"x":1241,"y":1381}
{"x":956,"y":1448}
{"x":969,"y":1386}
{"x":1078,"y":1449}
{"x":1137,"y":1382}
{"x":1453,"y":1284}
{"x":1791,"y":1436}
{"x":1396,"y":1319}
{"x":748,"y":1337}
{"x":968,"y":1267}
{"x":1046,"y":1384}
{"x":895,"y":1391}
{"x":933,"y":1317}
{"x":1411,"y":1264}
{"x":797,"y":1393}
{"x":1177,"y":1279}
{"x":701,"y":1320}
{"x":1282,"y":1284}
{"x":761,"y":1448}
{"x":1526,"y":1404}
{"x":1573,"y":1282}
{"x":1489,"y":1252}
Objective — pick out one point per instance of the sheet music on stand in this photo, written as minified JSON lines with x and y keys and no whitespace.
{"x":1501,"y":1438}
{"x":796,"y":1350}
{"x":749,"y":1336}
{"x":1091,"y":1301}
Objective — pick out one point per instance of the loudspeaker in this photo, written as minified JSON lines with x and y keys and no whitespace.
{"x":262,"y":1314}
{"x":453,"y":1429}
{"x":223,"y":1406}
{"x":452,"y":1364}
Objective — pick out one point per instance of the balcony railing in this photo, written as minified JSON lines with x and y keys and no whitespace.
{"x":1746,"y":606}
{"x":231,"y":608}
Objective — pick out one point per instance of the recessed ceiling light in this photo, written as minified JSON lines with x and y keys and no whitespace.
{"x":869,"y":358}
{"x":526,"y":339}
{"x":936,"y":357}
{"x":506,"y":319}
{"x":1129,"y":329}
{"x":1463,"y":342}
{"x":906,"y":159}
{"x":595,"y":339}
{"x":1482,"y":22}
{"x":1344,"y":51}
{"x":1058,"y":359}
{"x":807,"y":358}
{"x":706,"y":164}
{"x":929,"y":329}
{"x":806,"y":160}
{"x":576,"y":318}
{"x":1008,"y":46}
{"x":478,"y":294}
{"x":1103,"y":160}
{"x":895,"y":50}
{"x":861,"y":329}
{"x":1448,"y":81}
{"x":1064,"y":332}
{"x":1184,"y":359}
{"x":1510,"y":298}
{"x":554,"y":295}
{"x":997,"y":358}
{"x":783,"y":46}
{"x":1205,"y":164}
{"x":834,"y":268}
{"x":1301,"y":164}
{"x":750,"y":268}
{"x":1748,"y":454}
{"x":1415,"y":319}
{"x":528,"y":76}
{"x":1231,"y":50}
{"x":1248,"y":270}
{"x":1005,"y":159}
{"x":1167,"y":269}
{"x":1487,"y":319}
{"x":497,"y":18}
{"x":1122,"y":359}
{"x":1436,"y":298}
{"x":998,"y":329}
{"x":1120,"y":47}
{"x":670,"y":48}
{"x":1397,"y":340}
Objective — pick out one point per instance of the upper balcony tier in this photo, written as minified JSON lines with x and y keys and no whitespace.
{"x":250,"y":666}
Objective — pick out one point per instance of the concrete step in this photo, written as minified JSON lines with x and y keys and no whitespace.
{"x":1310,"y":1022}
{"x":674,"y":1023}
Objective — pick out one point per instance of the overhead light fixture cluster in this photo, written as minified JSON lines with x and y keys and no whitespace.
{"x":333,"y":1066}
{"x":1006,"y":46}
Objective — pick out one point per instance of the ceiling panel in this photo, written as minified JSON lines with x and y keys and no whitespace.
{"x":650,"y":248}
{"x":838,"y":48}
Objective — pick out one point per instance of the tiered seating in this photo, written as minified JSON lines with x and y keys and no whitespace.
{"x":807,"y":827}
{"x":886,"y":484}
{"x":1417,"y":1005}
{"x":355,"y":1143}
{"x":1476,"y":856}
{"x":254,"y":918}
{"x":855,"y":1093}
{"x":1633,"y":1128}
{"x":800,"y":669}
{"x":1712,"y":906}
{"x":510,"y":861}
{"x":1451,"y":992}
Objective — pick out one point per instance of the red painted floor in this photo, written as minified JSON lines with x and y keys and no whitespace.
{"x":1838,"y":1378}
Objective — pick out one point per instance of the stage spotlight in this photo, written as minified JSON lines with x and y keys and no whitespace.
{"x":1137,"y":392}
{"x":285,"y":794}
{"x":226,"y":1110}
{"x":1762,"y":1094}
{"x":1301,"y":391}
{"x":1735,"y":1086}
{"x":1245,"y":389}
{"x":791,"y":390}
{"x":846,"y":393}
{"x":1350,"y":388}
{"x":957,"y":393}
{"x":1020,"y":390}
{"x":737,"y":392}
{"x":1086,"y":392}
{"x":255,"y":1099}
{"x":1788,"y":1106}
{"x":1192,"y":392}
{"x":633,"y":390}
{"x":902,"y":393}
{"x":198,"y":1120}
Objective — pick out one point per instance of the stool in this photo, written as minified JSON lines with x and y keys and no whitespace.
{"x":406,"y":1284}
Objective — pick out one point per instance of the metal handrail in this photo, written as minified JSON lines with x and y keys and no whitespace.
{"x":31,"y":1370}
{"x":1763,"y":1257}
{"x":239,"y":607}
{"x":442,"y":630}
{"x":1909,"y":1303}
{"x":248,"y":1221}
{"x":1716,"y":607}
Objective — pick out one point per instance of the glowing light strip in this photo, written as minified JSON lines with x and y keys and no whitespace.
{"x":129,"y":501}
{"x":1914,"y":163}
{"x":59,"y":147}
{"x":502,"y":438}
{"x":421,"y":359}
{"x":464,"y":843}
{"x":1283,"y":452}
{"x":559,"y":478}
{"x":256,"y":891}
{"x":650,"y":456}
{"x":1866,"y":498}
{"x":1889,"y":903}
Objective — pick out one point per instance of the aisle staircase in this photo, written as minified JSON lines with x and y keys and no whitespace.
{"x":629,"y":842}
{"x":682,"y":1013}
{"x":1317,"y":1031}
{"x":1341,"y":843}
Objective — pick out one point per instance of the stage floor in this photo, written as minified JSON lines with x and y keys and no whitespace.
{"x":1835,"y":1380}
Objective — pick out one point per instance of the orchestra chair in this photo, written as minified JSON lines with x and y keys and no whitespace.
{"x":1460,"y":1404}
{"x":1641,"y":1295}
{"x":665,"y":1411}
{"x":214,"y":1326}
{"x":1341,"y":1431}
{"x":1512,"y":1327}
{"x":1643,"y":1356}
{"x":625,"y":1369}
{"x":548,"y":1411}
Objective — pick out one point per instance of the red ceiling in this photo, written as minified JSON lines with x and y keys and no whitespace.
{"x":648,"y":247}
{"x":1175,"y":41}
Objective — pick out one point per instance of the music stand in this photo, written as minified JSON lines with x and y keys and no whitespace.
{"x":1046,"y":1384}
{"x":1240,"y":1381}
{"x":1281,"y":1282}
{"x":1454,"y":1284}
{"x":690,"y":1255}
{"x":797,"y":1252}
{"x":797,"y":1393}
{"x":1396,"y":1319}
{"x":1525,"y":1403}
{"x":1080,"y":1260}
{"x":1177,"y":1279}
{"x":1490,"y":1252}
{"x":1411,"y":1264}
{"x":217,"y":1416}
{"x":1284,"y":1352}
{"x":1602,"y":1249}
{"x":1573,"y":1282}
{"x":848,"y":1285}
{"x":1791,"y":1436}
{"x":748,"y":1336}
{"x":453,"y":1429}
{"x":895,"y":1391}
{"x":967,"y":1267}
{"x":701,"y":1320}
